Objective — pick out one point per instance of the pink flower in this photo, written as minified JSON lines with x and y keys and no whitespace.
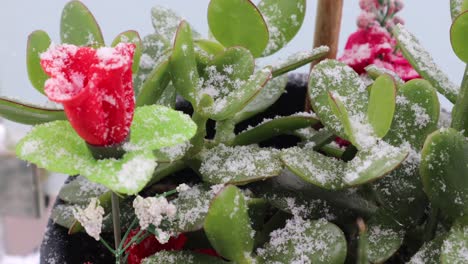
{"x":368,"y":5}
{"x":95,"y":88}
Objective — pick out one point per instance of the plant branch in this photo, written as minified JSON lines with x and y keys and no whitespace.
{"x":116,"y":220}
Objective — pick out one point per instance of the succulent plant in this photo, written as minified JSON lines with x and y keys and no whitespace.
{"x":397,"y":193}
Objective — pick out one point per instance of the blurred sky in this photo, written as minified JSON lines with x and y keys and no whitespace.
{"x":429,"y":20}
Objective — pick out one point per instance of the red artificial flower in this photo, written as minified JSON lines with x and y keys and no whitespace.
{"x":375,"y":45}
{"x":150,"y":245}
{"x":95,"y":87}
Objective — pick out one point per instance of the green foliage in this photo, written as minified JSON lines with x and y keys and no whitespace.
{"x":131,"y":36}
{"x":79,"y":27}
{"x":28,"y":114}
{"x":229,"y":209}
{"x":38,"y":42}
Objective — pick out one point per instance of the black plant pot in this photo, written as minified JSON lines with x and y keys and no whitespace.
{"x":60,"y":248}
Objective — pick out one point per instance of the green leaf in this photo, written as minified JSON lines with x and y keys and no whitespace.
{"x":457,"y":7}
{"x":459,"y":36}
{"x":229,"y":209}
{"x":382,"y":105}
{"x":333,"y":76}
{"x":291,"y":194}
{"x":239,"y":165}
{"x":187,"y":257}
{"x":209,"y":46}
{"x":305,"y":241}
{"x":384,"y":237}
{"x":192,"y":207}
{"x":131,"y":36}
{"x":330,"y":173}
{"x":56,"y":147}
{"x":38,"y":42}
{"x":298,"y":60}
{"x":80,"y":191}
{"x":236,"y":100}
{"x":423,"y":63}
{"x":444,"y":171}
{"x":455,"y":246}
{"x":165,"y":22}
{"x":375,"y":71}
{"x":79,"y":27}
{"x":429,"y":253}
{"x":127,"y":175}
{"x":168,"y":97}
{"x":172,"y":153}
{"x":267,"y":97}
{"x":182,"y":64}
{"x":154,"y":49}
{"x":284,"y":18}
{"x":62,"y":215}
{"x":157,"y":126}
{"x":314,"y":167}
{"x":154,"y":85}
{"x":460,"y":109}
{"x":246,"y":26}
{"x":416,"y":114}
{"x":275,"y":127}
{"x":28,"y":114}
{"x":340,"y":111}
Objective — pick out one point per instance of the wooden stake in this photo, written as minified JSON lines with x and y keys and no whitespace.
{"x":327,"y":31}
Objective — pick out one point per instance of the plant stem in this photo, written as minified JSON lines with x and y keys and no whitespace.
{"x":460,"y":110}
{"x":116,"y":222}
{"x":225,"y":131}
{"x":199,"y":139}
{"x":104,"y":242}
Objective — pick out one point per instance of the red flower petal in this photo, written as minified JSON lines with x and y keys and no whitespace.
{"x":95,"y":87}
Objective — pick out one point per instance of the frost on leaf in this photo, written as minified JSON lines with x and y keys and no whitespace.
{"x":240,"y":164}
{"x":152,"y":210}
{"x":91,"y":218}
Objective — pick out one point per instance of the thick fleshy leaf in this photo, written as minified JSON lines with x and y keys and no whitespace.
{"x":127,"y":175}
{"x":455,"y":246}
{"x":131,"y":36}
{"x":56,"y":147}
{"x":157,"y":126}
{"x":267,"y":96}
{"x":333,"y":174}
{"x":80,"y":191}
{"x":183,"y":65}
{"x":459,"y":36}
{"x":229,"y":209}
{"x":168,"y":97}
{"x":172,"y":153}
{"x":305,"y":241}
{"x":375,"y":71}
{"x":192,"y":207}
{"x":314,"y":167}
{"x":423,"y":63}
{"x":186,"y":257}
{"x":291,"y":194}
{"x":246,"y":26}
{"x":79,"y":27}
{"x":62,"y":215}
{"x":429,"y":253}
{"x":209,"y":46}
{"x":165,"y":22}
{"x":333,"y":76}
{"x":38,"y":42}
{"x":457,"y":7}
{"x":460,"y":109}
{"x":28,"y":114}
{"x":298,"y":60}
{"x":382,"y":105}
{"x":154,"y":49}
{"x":416,"y":115}
{"x":275,"y":127}
{"x":444,"y":171}
{"x":239,"y":165}
{"x":284,"y":18}
{"x":226,"y":107}
{"x":154,"y":85}
{"x":339,"y":109}
{"x":384,"y":238}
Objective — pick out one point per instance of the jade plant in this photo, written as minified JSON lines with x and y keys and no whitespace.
{"x":168,"y":191}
